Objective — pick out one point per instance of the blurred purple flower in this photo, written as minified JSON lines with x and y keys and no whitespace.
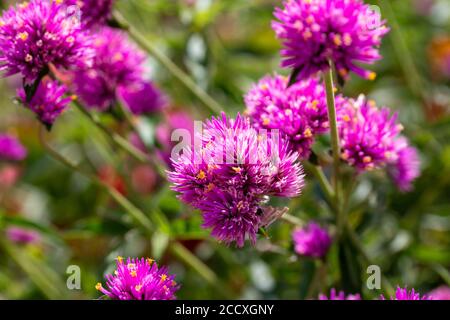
{"x":117,"y":63}
{"x":93,"y":12}
{"x":441,"y":293}
{"x":48,"y":102}
{"x":38,"y":33}
{"x":11,"y":149}
{"x":405,"y":294}
{"x":22,"y":236}
{"x":407,"y":166}
{"x":311,"y":241}
{"x":235,"y":173}
{"x":316,"y":31}
{"x":139,"y":279}
{"x":299,"y":111}
{"x":334,"y":295}
{"x":142,"y":97}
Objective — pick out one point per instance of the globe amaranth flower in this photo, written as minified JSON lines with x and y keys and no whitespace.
{"x":440,"y":293}
{"x":142,"y":97}
{"x":316,"y":31}
{"x":335,"y":295}
{"x":311,"y":240}
{"x":371,"y":138}
{"x":38,"y":33}
{"x":407,"y":166}
{"x":11,"y":149}
{"x":299,"y":111}
{"x":405,"y":294}
{"x":230,"y":175}
{"x":22,"y":236}
{"x":139,"y":279}
{"x":118,"y":65}
{"x":48,"y":102}
{"x":93,"y":13}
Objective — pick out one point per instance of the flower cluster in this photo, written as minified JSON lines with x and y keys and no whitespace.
{"x":371,"y":138}
{"x":139,"y":279}
{"x":405,"y":294}
{"x":334,"y":295}
{"x":48,"y":102}
{"x":11,"y":149}
{"x":311,"y":241}
{"x":94,"y":13}
{"x":232,"y":174}
{"x":118,"y":67}
{"x":314,"y":32}
{"x":37,"y":34}
{"x":299,"y":111}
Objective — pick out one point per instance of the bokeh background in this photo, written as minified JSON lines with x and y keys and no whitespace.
{"x":226,"y":45}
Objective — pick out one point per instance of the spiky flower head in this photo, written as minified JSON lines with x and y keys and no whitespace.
{"x":335,"y":295}
{"x":93,"y":13}
{"x":405,"y":294}
{"x":37,"y":34}
{"x":299,"y":111}
{"x":142,"y":97}
{"x":11,"y":149}
{"x":312,"y":240}
{"x":313,"y":32}
{"x":117,"y":63}
{"x":139,"y":279}
{"x":48,"y":102}
{"x":230,"y":175}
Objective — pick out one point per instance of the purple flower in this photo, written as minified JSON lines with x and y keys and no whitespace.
{"x":142,"y":97}
{"x":312,"y":241}
{"x":139,"y":279}
{"x":407,"y":166}
{"x":298,"y":111}
{"x":315,"y":31}
{"x":405,"y":294}
{"x":22,"y":236}
{"x":11,"y":149}
{"x":230,"y":176}
{"x":334,"y":295}
{"x":48,"y":102}
{"x":38,"y":33}
{"x":93,"y":12}
{"x":369,"y":135}
{"x":117,"y":63}
{"x":441,"y":293}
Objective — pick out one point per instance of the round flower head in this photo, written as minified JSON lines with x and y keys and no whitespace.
{"x":118,"y":62}
{"x":22,"y":236}
{"x":312,"y":241}
{"x":92,"y":12}
{"x":407,"y":166}
{"x":38,"y":33}
{"x":316,"y":31}
{"x":230,"y":176}
{"x":11,"y":149}
{"x":369,"y":135}
{"x":299,"y":110}
{"x":334,"y":295}
{"x":139,"y":279}
{"x":142,"y":97}
{"x":441,"y":293}
{"x":405,"y":294}
{"x":48,"y":102}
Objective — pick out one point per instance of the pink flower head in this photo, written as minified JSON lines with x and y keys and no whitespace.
{"x":11,"y":149}
{"x":334,"y":295}
{"x":312,"y":241}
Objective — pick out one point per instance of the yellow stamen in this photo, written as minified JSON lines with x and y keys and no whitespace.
{"x":314,"y":104}
{"x":367,"y":159}
{"x":337,"y":40}
{"x":133,"y":273}
{"x":74,"y":97}
{"x":163,"y":277}
{"x":307,"y":133}
{"x":28,"y":58}
{"x":372,"y":76}
{"x":237,"y":169}
{"x":346,"y":118}
{"x":98,"y":286}
{"x":70,"y":39}
{"x":266,"y":121}
{"x":210,"y":187}
{"x":23,"y":36}
{"x":150,"y":261}
{"x":347,"y":39}
{"x":201,"y":175}
{"x":138,"y":287}
{"x":307,"y":34}
{"x":120,"y":259}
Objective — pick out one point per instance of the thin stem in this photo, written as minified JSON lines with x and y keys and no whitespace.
{"x":292,"y":220}
{"x":206,"y":99}
{"x":321,"y":178}
{"x":388,"y":288}
{"x":331,"y":106}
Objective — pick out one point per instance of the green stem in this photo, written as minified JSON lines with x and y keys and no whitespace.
{"x":292,"y":220}
{"x":321,"y":178}
{"x":206,"y":99}
{"x":331,"y":106}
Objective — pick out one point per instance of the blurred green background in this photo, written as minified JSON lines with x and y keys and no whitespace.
{"x":226,"y":45}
